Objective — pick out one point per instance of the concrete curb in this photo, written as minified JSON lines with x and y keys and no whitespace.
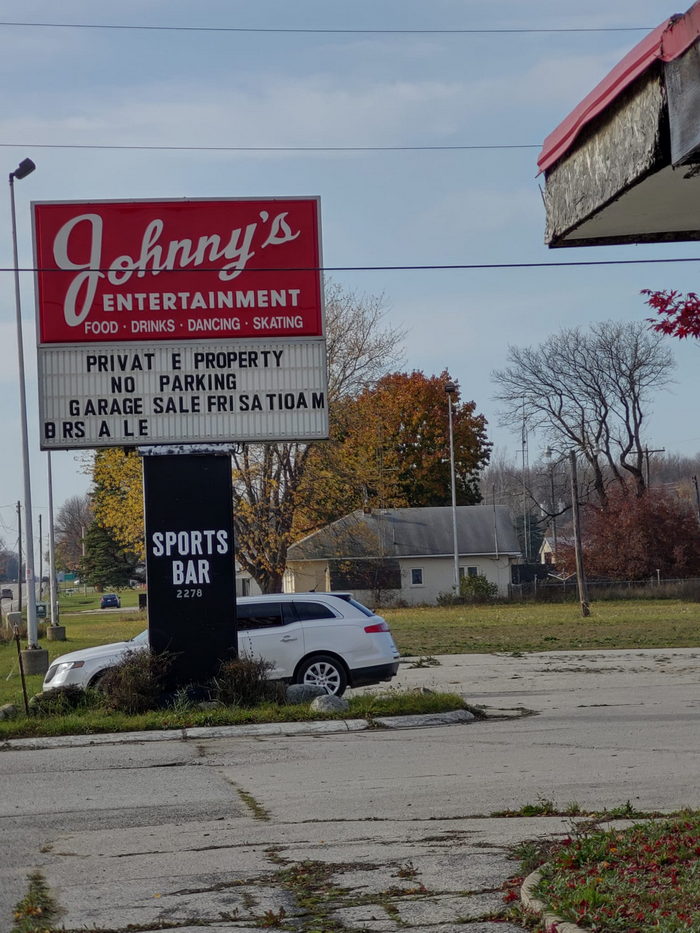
{"x":314,"y":727}
{"x":185,"y":735}
{"x":425,"y":719}
{"x":552,"y":923}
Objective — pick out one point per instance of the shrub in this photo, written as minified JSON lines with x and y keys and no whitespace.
{"x":472,"y":589}
{"x":137,"y":683}
{"x":244,"y":682}
{"x":63,"y":700}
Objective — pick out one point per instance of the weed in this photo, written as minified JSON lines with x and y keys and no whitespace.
{"x":543,"y":807}
{"x":36,"y":910}
{"x":626,"y":812}
{"x":244,"y":682}
{"x":271,"y":918}
{"x":135,"y":684}
{"x":428,"y":661}
{"x":256,"y":808}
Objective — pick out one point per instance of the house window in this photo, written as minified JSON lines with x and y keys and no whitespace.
{"x":416,"y":576}
{"x":468,"y":572}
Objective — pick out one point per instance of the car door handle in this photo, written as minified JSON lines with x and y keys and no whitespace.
{"x":289,"y":638}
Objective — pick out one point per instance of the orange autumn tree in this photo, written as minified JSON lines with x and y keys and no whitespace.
{"x":390,"y":448}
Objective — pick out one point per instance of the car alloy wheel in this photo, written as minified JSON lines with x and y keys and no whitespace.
{"x":324,"y":671}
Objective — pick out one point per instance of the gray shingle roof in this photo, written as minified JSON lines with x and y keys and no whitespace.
{"x":481,"y":529}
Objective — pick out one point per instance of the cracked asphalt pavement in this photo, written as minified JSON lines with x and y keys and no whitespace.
{"x":356,"y":831}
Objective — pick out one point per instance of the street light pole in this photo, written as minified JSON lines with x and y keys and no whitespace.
{"x":26,"y":167}
{"x":52,"y":551}
{"x":450,"y":390}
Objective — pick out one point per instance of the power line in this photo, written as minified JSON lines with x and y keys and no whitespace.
{"x":270,"y":148}
{"x":280,"y":30}
{"x":436,"y":267}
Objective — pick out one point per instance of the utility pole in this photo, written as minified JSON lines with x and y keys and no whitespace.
{"x":580,"y":571}
{"x":19,"y":553}
{"x":661,"y":450}
{"x":697,"y":494}
{"x":450,"y":390}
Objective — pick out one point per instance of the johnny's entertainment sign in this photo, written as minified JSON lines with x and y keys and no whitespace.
{"x":107,"y":395}
{"x":179,"y":322}
{"x":189,"y":563}
{"x":124,"y":271}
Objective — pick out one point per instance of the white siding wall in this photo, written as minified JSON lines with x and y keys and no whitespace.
{"x":437,"y":578}
{"x":306,"y":576}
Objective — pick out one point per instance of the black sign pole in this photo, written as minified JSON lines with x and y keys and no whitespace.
{"x":188,"y":505}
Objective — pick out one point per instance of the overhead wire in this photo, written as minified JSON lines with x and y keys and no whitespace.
{"x":477,"y":31}
{"x":149,"y":148}
{"x":429,"y":267}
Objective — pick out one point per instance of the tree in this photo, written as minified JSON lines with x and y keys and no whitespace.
{"x":117,"y":496}
{"x":72,"y":521}
{"x":267,"y":479}
{"x":9,"y":563}
{"x":391,"y":449}
{"x":679,"y":314}
{"x":106,"y":563}
{"x":590,"y":391}
{"x":634,"y":537}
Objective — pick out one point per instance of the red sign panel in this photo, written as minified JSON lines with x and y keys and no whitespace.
{"x":173,"y":270}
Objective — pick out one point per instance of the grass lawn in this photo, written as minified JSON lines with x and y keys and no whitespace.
{"x":83,"y":630}
{"x":662,"y":623}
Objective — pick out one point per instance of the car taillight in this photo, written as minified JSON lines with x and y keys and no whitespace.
{"x":377,"y":627}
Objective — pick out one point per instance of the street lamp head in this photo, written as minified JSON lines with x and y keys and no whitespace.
{"x":25,"y":167}
{"x":450,"y":388}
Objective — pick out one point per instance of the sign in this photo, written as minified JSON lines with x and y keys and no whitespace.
{"x":179,"y":322}
{"x":107,"y":395}
{"x":190,"y":563}
{"x":118,"y":271}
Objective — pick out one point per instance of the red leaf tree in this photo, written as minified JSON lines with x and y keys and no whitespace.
{"x":634,"y":537}
{"x":678,"y":315}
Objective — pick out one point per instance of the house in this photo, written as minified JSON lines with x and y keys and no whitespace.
{"x":391,"y":556}
{"x":245,"y":584}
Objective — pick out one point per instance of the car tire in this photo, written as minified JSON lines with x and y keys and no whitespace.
{"x":323,"y":670}
{"x":96,"y":682}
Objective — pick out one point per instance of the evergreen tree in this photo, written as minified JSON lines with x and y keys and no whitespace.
{"x":106,"y":563}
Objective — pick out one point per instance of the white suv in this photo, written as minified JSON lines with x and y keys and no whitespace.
{"x":327,"y":639}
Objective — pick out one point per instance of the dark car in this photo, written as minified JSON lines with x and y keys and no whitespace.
{"x":110,"y":601}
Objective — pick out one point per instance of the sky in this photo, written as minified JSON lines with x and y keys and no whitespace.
{"x":182,"y":88}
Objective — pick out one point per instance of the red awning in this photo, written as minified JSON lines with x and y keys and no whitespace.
{"x":667,"y":42}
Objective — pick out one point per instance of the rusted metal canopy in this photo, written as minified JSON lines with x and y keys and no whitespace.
{"x":622,"y":167}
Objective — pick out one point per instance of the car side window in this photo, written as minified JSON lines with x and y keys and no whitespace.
{"x":309,"y":610}
{"x":262,"y":615}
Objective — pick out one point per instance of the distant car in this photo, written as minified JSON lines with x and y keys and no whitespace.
{"x":326,"y":639}
{"x":110,"y":601}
